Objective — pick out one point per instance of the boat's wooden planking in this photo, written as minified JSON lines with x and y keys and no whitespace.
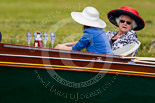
{"x":72,"y":64}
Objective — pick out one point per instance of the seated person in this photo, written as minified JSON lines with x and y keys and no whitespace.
{"x":94,"y":37}
{"x":127,"y":20}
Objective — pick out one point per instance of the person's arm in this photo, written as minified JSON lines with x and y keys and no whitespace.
{"x":84,"y":41}
{"x":66,"y":46}
{"x":70,"y":44}
{"x":132,"y":37}
{"x":63,"y":47}
{"x":77,"y":46}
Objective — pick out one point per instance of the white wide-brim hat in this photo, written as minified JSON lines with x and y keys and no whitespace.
{"x":89,"y":17}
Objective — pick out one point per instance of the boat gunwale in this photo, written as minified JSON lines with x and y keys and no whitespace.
{"x":62,"y":51}
{"x":83,"y":60}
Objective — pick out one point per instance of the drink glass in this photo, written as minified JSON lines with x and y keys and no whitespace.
{"x":52,"y":37}
{"x":35,"y":36}
{"x":28,"y":37}
{"x":45,"y":38}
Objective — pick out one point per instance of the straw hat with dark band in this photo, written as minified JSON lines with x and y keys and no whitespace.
{"x":125,"y":10}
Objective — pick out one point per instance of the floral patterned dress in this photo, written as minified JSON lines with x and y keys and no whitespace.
{"x":128,"y":38}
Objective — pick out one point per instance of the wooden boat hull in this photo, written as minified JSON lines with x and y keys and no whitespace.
{"x":36,"y":85}
{"x":70,"y":64}
{"x":49,"y":76}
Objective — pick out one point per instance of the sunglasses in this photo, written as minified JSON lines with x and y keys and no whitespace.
{"x":127,"y":22}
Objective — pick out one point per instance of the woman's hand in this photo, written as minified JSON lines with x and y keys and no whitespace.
{"x":70,"y":44}
{"x":63,"y":47}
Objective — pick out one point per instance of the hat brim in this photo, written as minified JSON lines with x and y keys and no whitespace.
{"x":113,"y":14}
{"x":78,"y":17}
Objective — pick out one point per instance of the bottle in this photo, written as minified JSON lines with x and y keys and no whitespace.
{"x":38,"y":39}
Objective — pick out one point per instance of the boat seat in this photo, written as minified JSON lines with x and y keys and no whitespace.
{"x":127,"y":50}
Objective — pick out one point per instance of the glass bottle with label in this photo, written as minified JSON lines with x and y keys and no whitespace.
{"x":37,"y":36}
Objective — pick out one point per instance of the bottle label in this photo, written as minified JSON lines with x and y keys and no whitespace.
{"x":36,"y":44}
